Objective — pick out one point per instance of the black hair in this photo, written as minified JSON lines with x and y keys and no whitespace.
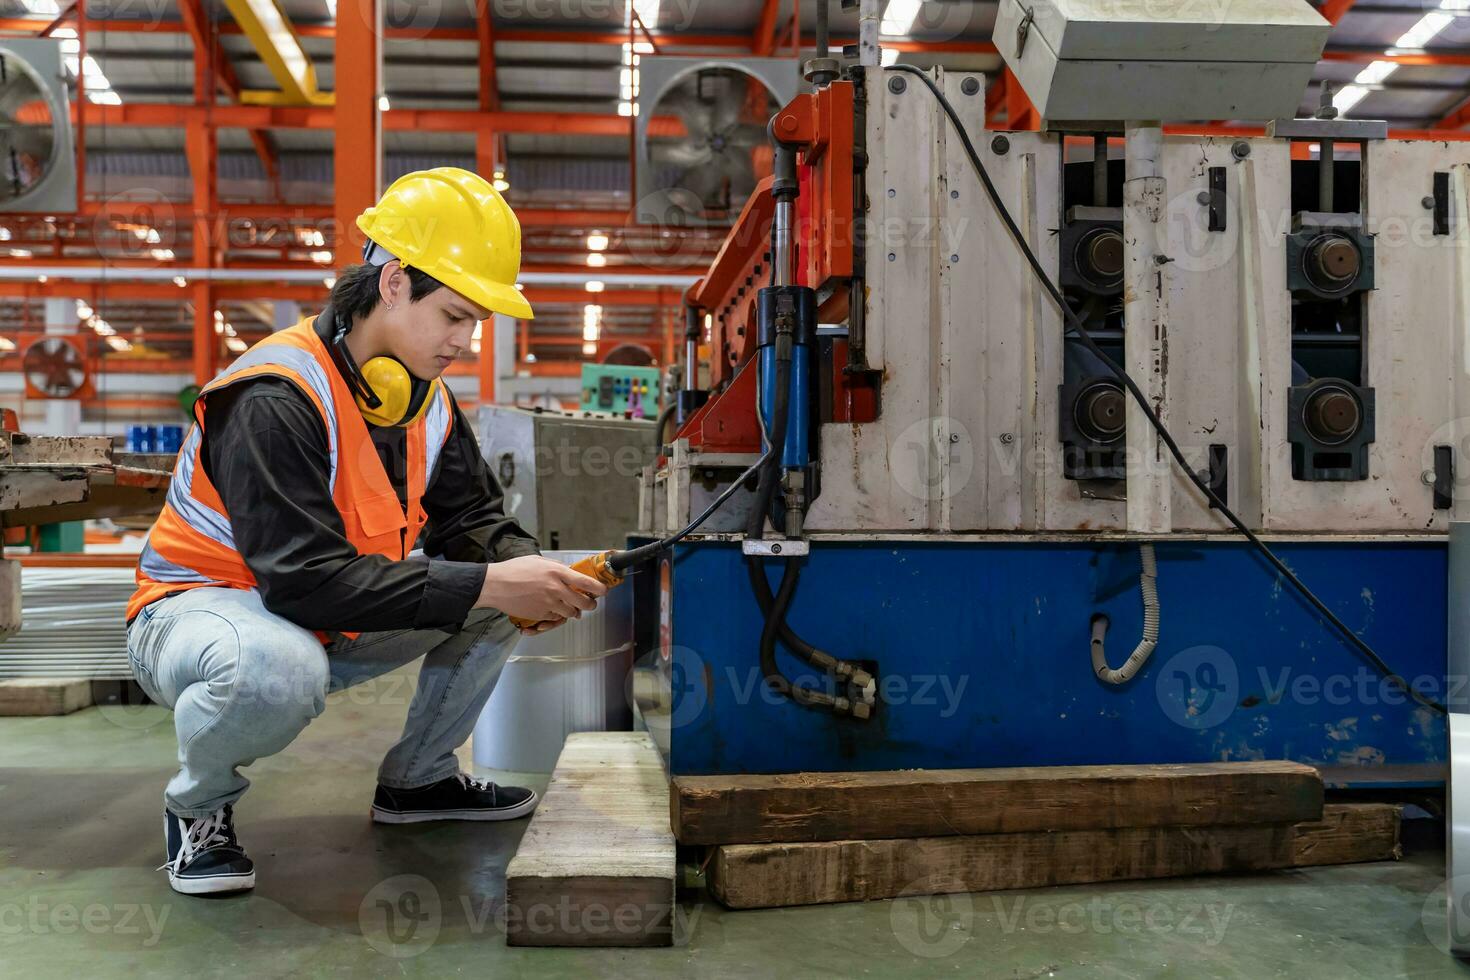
{"x":356,"y":292}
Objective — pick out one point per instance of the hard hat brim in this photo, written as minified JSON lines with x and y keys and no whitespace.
{"x":496,"y":297}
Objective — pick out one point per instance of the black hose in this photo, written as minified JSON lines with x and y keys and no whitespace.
{"x":778,"y":681}
{"x":1138,"y":396}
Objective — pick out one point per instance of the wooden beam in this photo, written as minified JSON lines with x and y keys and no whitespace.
{"x":34,"y":696}
{"x":747,"y":876}
{"x":596,"y":866}
{"x":926,"y":803}
{"x":1349,"y":833}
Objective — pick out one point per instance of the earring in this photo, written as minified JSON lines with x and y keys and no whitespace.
{"x":389,"y":305}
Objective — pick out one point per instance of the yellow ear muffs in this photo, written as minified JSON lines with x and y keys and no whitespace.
{"x":402,"y":397}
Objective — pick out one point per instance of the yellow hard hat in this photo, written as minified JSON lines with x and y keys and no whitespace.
{"x":453,"y":225}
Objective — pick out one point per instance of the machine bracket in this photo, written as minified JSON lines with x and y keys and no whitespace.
{"x":775,"y":548}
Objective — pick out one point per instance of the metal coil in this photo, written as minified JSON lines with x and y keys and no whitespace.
{"x":72,"y":625}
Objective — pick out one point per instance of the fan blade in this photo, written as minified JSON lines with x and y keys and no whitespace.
{"x":681,"y":153}
{"x":747,"y":135}
{"x":706,"y":182}
{"x":729,"y":105}
{"x":696,"y":116}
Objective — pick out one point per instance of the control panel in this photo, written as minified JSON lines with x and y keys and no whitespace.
{"x":620,"y":388}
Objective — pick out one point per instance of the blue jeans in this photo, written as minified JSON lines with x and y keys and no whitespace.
{"x":243,"y":683}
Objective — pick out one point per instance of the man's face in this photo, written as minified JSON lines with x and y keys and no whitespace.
{"x":427,"y":335}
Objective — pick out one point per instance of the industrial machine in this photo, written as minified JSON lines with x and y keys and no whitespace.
{"x":953,"y":375}
{"x":571,"y":479}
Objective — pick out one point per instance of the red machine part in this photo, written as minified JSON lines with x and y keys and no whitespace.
{"x":821,"y":123}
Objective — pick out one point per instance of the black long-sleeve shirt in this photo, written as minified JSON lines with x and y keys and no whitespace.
{"x":266,"y":452}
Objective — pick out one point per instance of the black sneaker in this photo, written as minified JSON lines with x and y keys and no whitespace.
{"x":457,"y":797}
{"x":204,"y":858}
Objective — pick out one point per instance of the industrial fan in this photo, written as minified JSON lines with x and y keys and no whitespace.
{"x":37,"y":168}
{"x":701,"y":132}
{"x":54,"y":367}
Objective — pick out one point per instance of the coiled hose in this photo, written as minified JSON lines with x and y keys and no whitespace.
{"x":1149,"y":588}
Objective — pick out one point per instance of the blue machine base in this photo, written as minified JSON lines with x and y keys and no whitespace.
{"x":983,"y":653}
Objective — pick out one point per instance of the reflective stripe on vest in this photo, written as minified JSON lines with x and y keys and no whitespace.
{"x":193,"y":530}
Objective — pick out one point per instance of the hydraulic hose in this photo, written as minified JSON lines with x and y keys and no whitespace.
{"x":1149,"y":588}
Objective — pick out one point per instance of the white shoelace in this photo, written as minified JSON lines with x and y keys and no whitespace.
{"x":202,"y":834}
{"x":470,"y":782}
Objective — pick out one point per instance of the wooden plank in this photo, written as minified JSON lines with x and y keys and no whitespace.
{"x":932,"y":803}
{"x":596,"y":866}
{"x":752,"y":876}
{"x":1349,"y":833}
{"x":32,"y":696}
{"x":748,"y":876}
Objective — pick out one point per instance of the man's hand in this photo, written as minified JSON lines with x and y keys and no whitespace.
{"x":538,"y":589}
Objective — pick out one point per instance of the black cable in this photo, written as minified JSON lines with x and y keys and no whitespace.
{"x":621,"y":561}
{"x":1362,"y":647}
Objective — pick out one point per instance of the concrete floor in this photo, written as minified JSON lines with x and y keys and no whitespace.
{"x":80,"y":835}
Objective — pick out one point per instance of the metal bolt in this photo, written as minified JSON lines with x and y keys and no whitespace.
{"x":1000,"y":146}
{"x":1240,"y":149}
{"x":1203,"y":197}
{"x":896,"y":84}
{"x":892,"y":192}
{"x":970,"y":85}
{"x":954,"y":437}
{"x":954,"y":258}
{"x":1428,"y":203}
{"x":954,"y":195}
{"x":1006,"y":438}
{"x":1427,"y":478}
{"x":775,"y":549}
{"x":892,"y":257}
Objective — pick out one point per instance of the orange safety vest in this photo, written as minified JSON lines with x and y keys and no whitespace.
{"x":192,"y":544}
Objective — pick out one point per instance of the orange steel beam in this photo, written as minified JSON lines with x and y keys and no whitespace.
{"x":100,"y":292}
{"x":1421,"y":59}
{"x":303,"y":213}
{"x":1458,"y":119}
{"x":212,"y":68}
{"x":661,"y":39}
{"x":764,"y":40}
{"x":202,"y":149}
{"x":169,"y":115}
{"x":357,"y":146}
{"x":1020,"y":113}
{"x":1335,"y":10}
